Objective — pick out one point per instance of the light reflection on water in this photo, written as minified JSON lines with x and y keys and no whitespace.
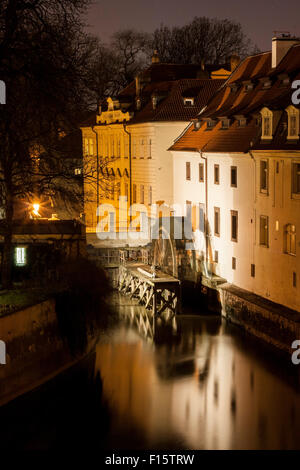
{"x":210,"y":387}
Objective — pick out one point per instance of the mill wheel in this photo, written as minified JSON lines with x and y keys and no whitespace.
{"x":164,"y":253}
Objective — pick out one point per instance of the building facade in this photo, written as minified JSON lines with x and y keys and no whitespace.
{"x":129,"y":139}
{"x":237,"y":172}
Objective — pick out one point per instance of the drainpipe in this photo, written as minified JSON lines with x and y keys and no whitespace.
{"x":206,"y":211}
{"x":97,"y":170}
{"x":130,"y":167}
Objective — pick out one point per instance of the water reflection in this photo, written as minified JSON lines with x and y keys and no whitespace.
{"x":204,"y":386}
{"x":207,"y":388}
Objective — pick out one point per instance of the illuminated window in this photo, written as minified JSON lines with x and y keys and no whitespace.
{"x":188,"y":171}
{"x":295,"y":178}
{"x":201,"y":172}
{"x":290,"y":239}
{"x":264,"y":230}
{"x":77,"y":171}
{"x":217,"y":221}
{"x":188,"y":101}
{"x":20,"y":256}
{"x":264,"y":179}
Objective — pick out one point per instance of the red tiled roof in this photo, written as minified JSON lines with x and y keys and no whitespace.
{"x":239,"y":101}
{"x":172,"y":107}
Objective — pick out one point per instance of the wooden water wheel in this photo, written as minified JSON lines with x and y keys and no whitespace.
{"x":164,"y":253}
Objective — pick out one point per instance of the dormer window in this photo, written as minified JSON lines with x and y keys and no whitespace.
{"x":284,"y":80}
{"x":293,"y":122}
{"x":225,"y":123}
{"x":241,"y":121}
{"x":197,"y":124}
{"x":188,"y":101}
{"x":210,"y":124}
{"x":267,"y":123}
{"x":266,"y":83}
{"x":233,"y":88}
{"x":248,"y":86}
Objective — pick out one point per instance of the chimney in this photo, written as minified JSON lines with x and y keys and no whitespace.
{"x":137,"y":86}
{"x":234,"y":62}
{"x":155,"y":57}
{"x":281,"y":43}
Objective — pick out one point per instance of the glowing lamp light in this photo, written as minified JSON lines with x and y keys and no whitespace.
{"x":36,"y":208}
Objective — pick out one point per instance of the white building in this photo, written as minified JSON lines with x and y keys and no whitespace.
{"x":239,"y":170}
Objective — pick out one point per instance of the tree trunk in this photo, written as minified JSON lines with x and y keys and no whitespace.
{"x":7,"y":246}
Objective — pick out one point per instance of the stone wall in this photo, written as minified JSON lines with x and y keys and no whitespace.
{"x":268,"y":321}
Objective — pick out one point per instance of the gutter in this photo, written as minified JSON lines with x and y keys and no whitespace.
{"x":130,"y":166}
{"x":97,"y":170}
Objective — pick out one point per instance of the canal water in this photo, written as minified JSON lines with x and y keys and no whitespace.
{"x":205,"y":386}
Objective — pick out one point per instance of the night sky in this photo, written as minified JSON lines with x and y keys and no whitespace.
{"x":259,"y":18}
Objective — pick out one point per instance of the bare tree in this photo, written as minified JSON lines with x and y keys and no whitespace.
{"x":43,"y":52}
{"x":210,"y":40}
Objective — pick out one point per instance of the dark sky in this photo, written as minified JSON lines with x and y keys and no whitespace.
{"x":259,"y":18}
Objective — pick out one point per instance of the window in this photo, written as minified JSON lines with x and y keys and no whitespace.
{"x":267,"y":123}
{"x":294,"y":279}
{"x":217,"y":221}
{"x":201,"y":218}
{"x":126,"y":190}
{"x":210,"y":124}
{"x":150,"y":195}
{"x":189,"y":210}
{"x":142,"y":200}
{"x":118,"y":190}
{"x":290,"y":239}
{"x":134,"y":193}
{"x":264,"y":230}
{"x":216,"y":256}
{"x":217,"y":174}
{"x":264,"y":173}
{"x":188,"y":171}
{"x":225,"y":123}
{"x":20,"y":256}
{"x":267,"y":126}
{"x":252,"y":270}
{"x":233,"y":263}
{"x":142,"y":148}
{"x":201,"y":172}
{"x":234,"y":226}
{"x":233,"y":176}
{"x":86,"y":146}
{"x":295,"y":178}
{"x":293,"y":122}
{"x":188,"y":101}
{"x":77,"y":171}
{"x":150,"y":149}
